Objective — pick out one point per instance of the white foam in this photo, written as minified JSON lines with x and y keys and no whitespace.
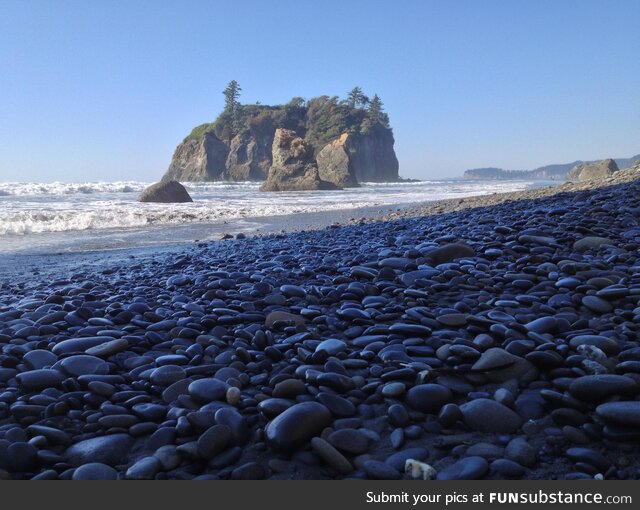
{"x":34,"y":208}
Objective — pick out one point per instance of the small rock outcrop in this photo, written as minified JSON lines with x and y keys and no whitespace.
{"x":335,"y":163}
{"x":593,"y":171}
{"x":293,"y":168}
{"x":165,"y":192}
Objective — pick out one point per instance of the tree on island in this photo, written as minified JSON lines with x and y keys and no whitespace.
{"x":318,"y":119}
{"x":231,"y":95}
{"x":232,"y":108}
{"x":357,"y":98}
{"x":375,"y":108}
{"x":375,"y":115}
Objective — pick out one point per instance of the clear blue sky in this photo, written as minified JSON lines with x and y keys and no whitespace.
{"x":105,"y":90}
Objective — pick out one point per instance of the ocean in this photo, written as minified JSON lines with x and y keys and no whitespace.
{"x":63,"y":217}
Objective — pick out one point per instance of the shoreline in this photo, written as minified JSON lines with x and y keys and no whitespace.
{"x":189,"y":235}
{"x":487,"y":337}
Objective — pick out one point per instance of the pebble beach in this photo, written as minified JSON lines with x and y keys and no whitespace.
{"x":492,"y":337}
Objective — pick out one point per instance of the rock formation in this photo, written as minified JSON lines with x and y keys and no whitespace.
{"x":352,"y":159}
{"x":373,"y":157}
{"x":165,"y":192}
{"x":198,"y":159}
{"x":293,"y":167}
{"x":335,"y":163}
{"x":237,"y":146}
{"x":593,"y":171}
{"x":249,"y":158}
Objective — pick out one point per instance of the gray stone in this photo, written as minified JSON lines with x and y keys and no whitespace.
{"x":500,"y":366}
{"x":297,"y":425}
{"x":110,"y":450}
{"x":95,"y":471}
{"x":486,"y":415}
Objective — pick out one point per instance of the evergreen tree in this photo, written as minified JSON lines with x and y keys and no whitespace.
{"x":232,"y":107}
{"x":356,"y":98}
{"x":231,"y":95}
{"x":375,"y":108}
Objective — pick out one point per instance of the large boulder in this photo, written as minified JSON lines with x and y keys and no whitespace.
{"x":593,"y":171}
{"x":198,"y":159}
{"x":165,"y":192}
{"x":335,"y":163}
{"x":293,"y":166}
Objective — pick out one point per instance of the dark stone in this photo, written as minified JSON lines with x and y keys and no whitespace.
{"x":486,"y":415}
{"x":110,"y":450}
{"x":468,"y":468}
{"x":428,"y":398}
{"x":297,"y":425}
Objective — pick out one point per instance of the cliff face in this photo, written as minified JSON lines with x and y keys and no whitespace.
{"x":198,"y":160}
{"x":249,"y":158}
{"x":346,"y":161}
{"x":373,"y":157}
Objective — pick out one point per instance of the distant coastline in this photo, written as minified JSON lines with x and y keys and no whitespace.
{"x":554,"y":172}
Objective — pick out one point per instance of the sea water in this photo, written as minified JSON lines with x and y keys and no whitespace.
{"x":101,"y":215}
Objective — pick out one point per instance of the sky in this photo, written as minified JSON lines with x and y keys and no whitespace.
{"x":105,"y":90}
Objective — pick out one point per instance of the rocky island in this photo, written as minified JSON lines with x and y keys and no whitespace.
{"x":341,"y":143}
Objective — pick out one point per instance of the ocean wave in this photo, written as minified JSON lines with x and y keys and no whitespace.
{"x":23,"y":189}
{"x":144,"y":215}
{"x":34,"y":208}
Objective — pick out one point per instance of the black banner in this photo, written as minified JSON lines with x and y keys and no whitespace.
{"x":312,"y":495}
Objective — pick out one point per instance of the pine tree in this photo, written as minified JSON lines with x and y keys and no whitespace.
{"x":356,"y":98}
{"x":232,"y":107}
{"x":375,"y":108}
{"x":231,"y":95}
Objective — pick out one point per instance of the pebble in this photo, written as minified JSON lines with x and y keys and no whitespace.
{"x":297,"y":425}
{"x":428,"y":398}
{"x":500,"y":366}
{"x":596,"y":388}
{"x":213,"y":441}
{"x":95,"y":471}
{"x":144,"y":469}
{"x":207,"y":390}
{"x":518,"y":450}
{"x":331,"y":456}
{"x":110,"y":450}
{"x":377,"y":470}
{"x":623,"y":413}
{"x":607,"y":345}
{"x":83,"y":364}
{"x":349,"y":440}
{"x":485,"y":415}
{"x":468,"y":468}
{"x":40,"y":379}
{"x":507,"y":468}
